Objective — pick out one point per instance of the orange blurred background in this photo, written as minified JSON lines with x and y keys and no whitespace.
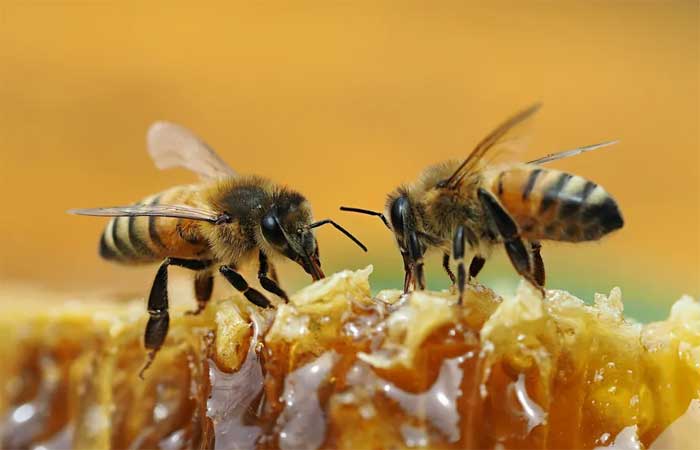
{"x":344,"y":102}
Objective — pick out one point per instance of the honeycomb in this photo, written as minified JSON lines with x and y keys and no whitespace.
{"x":340,"y":368}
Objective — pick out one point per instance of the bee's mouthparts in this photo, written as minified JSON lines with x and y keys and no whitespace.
{"x":312,"y":266}
{"x":316,"y":272}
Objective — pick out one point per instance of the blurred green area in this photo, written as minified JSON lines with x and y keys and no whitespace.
{"x":641,"y":305}
{"x":643,"y":302}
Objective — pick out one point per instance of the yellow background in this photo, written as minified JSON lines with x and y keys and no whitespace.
{"x":344,"y":102}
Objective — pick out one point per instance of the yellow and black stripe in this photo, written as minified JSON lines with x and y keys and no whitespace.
{"x":549,"y":204}
{"x":146,"y":239}
{"x":124,"y":239}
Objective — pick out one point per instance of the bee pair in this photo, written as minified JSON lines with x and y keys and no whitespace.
{"x":226,"y":220}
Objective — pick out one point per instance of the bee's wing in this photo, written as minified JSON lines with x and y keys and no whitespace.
{"x":508,"y":134}
{"x":172,"y":145}
{"x":176,"y":211}
{"x":573,"y":152}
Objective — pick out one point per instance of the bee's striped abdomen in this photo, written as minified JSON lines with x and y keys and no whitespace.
{"x":134,"y":240}
{"x":549,"y":204}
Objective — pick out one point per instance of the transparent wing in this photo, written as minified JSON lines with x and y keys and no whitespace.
{"x":573,"y":152}
{"x":172,"y":145}
{"x":510,"y":135}
{"x":176,"y":211}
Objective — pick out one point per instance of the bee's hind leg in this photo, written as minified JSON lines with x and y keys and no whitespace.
{"x":269,"y":284}
{"x":203,"y":281}
{"x":237,"y":281}
{"x":159,"y":318}
{"x":508,"y":229}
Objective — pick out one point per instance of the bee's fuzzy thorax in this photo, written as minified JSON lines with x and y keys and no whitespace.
{"x":432,"y":175}
{"x":437,"y":211}
{"x":233,"y":194}
{"x":247,"y":200}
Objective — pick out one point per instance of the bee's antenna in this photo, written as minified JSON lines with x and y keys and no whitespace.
{"x":369,"y":212}
{"x":341,"y":229}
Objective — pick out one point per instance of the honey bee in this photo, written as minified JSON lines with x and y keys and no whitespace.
{"x":223,"y":222}
{"x":484,"y":205}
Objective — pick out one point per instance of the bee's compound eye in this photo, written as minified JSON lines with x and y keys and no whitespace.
{"x":271,"y":230}
{"x":399,"y":210}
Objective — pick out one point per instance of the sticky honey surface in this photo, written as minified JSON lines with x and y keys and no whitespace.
{"x":340,"y":368}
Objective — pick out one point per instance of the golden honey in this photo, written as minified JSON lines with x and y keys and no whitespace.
{"x":339,"y":368}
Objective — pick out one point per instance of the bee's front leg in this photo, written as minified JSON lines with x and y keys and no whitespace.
{"x":416,"y":259}
{"x":273,"y":273}
{"x":458,"y":254}
{"x":476,"y":264}
{"x":537,"y":263}
{"x":269,"y":284}
{"x":407,"y":272}
{"x":419,"y":275}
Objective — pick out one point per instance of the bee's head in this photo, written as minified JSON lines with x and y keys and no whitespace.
{"x":402,"y":222}
{"x":288,"y":228}
{"x":410,"y":239}
{"x":398,"y":209}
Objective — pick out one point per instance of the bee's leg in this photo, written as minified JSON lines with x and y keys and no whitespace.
{"x":159,"y":319}
{"x":476,"y":265}
{"x":273,"y":272}
{"x":420,"y":276}
{"x":237,"y":281}
{"x":508,"y":229}
{"x":268,"y":284}
{"x":203,"y":281}
{"x":537,"y":263}
{"x":407,"y":273}
{"x":192,"y":264}
{"x":458,"y":254}
{"x":416,"y":256}
{"x":203,"y":287}
{"x":446,"y":266}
